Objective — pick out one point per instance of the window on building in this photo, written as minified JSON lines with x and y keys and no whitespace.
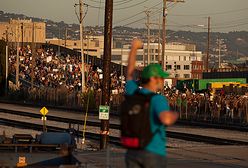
{"x":156,"y":58}
{"x":178,"y":67}
{"x":75,"y":44}
{"x":168,"y":67}
{"x":139,"y":57}
{"x":166,"y":57}
{"x":186,"y":75}
{"x":186,"y":67}
{"x":185,"y":58}
{"x":177,"y":76}
{"x":179,"y":58}
{"x":97,"y":44}
{"x":116,"y":58}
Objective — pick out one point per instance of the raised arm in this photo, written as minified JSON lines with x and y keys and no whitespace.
{"x":136,"y":44}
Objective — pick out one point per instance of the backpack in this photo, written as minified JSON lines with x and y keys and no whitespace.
{"x":136,"y":130}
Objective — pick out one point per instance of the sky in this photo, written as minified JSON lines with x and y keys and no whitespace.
{"x":226,"y":15}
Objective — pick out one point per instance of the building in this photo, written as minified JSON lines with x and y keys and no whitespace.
{"x":22,"y":31}
{"x":197,"y":69}
{"x":178,"y":58}
{"x":93,"y":45}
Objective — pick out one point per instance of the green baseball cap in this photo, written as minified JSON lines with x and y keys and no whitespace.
{"x":154,"y":70}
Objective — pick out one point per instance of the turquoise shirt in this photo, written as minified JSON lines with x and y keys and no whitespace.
{"x":158,"y":104}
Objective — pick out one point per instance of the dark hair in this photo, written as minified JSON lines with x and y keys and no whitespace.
{"x":144,"y":81}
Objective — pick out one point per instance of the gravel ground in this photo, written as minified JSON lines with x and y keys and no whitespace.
{"x":54,"y":112}
{"x":220,"y":133}
{"x":177,"y":143}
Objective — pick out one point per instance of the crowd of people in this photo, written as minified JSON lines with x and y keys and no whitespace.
{"x":53,"y":71}
{"x":63,"y":74}
{"x":205,"y":106}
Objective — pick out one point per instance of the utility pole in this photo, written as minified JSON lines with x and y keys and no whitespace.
{"x":59,"y":42}
{"x":82,"y":43}
{"x":88,"y":43}
{"x":121,"y":64}
{"x":7,"y":62}
{"x":33,"y":56}
{"x":17,"y":57}
{"x":219,"y":50}
{"x":159,"y":56}
{"x":208,"y":45}
{"x":164,"y":32}
{"x":65,"y":36}
{"x":164,"y":28}
{"x":148,"y":36}
{"x":22,"y":30}
{"x":107,"y":70}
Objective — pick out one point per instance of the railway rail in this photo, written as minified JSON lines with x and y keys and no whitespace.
{"x":115,"y":140}
{"x":117,"y":126}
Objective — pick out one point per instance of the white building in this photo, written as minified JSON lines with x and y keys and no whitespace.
{"x":178,"y":57}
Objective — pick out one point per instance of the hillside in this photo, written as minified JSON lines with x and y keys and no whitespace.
{"x":234,"y":45}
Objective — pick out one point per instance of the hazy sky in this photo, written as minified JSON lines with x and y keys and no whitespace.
{"x":227,"y":15}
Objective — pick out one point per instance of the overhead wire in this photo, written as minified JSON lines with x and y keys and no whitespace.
{"x":224,"y":27}
{"x":211,"y":14}
{"x":115,"y":2}
{"x":121,"y":8}
{"x":135,"y":15}
{"x":138,"y":20}
{"x":153,"y":14}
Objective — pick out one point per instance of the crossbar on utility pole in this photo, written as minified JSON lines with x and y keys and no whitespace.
{"x":107,"y":70}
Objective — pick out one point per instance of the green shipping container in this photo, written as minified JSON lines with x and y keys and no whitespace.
{"x":202,"y":84}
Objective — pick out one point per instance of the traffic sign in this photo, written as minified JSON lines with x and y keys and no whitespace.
{"x":104,"y":112}
{"x":44,"y":111}
{"x":22,"y":162}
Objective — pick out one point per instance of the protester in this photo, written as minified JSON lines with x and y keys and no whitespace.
{"x":153,"y":155}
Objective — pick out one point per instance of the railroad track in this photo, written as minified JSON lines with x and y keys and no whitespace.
{"x":39,"y":127}
{"x":117,"y":126}
{"x":58,"y":119}
{"x":114,"y":140}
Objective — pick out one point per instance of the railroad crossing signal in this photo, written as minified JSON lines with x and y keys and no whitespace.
{"x":44,"y":111}
{"x":104,"y":112}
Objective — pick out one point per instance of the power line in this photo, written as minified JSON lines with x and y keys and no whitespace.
{"x":231,"y":22}
{"x":116,"y":2}
{"x":122,"y":8}
{"x":152,"y":15}
{"x":215,"y":13}
{"x":138,"y":20}
{"x":130,"y":17}
{"x":224,"y":27}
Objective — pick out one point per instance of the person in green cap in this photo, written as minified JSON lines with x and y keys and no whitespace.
{"x":152,"y":81}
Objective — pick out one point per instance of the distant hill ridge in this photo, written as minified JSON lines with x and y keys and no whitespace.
{"x":236,"y":42}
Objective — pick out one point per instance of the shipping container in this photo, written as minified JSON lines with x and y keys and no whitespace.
{"x":201,"y":84}
{"x":219,"y":85}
